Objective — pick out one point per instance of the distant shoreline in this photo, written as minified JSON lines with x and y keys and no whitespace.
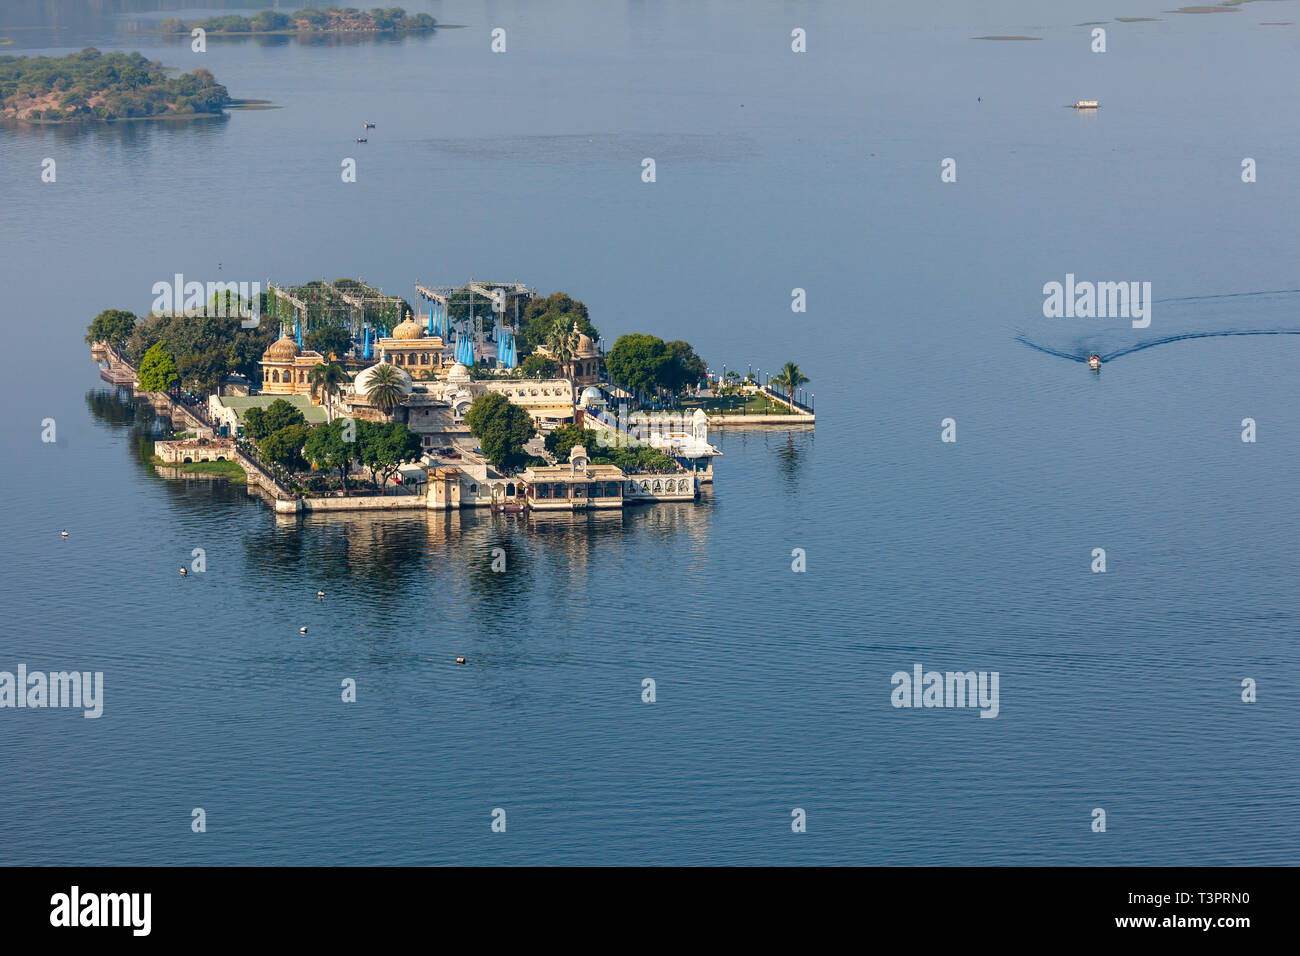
{"x":312,"y":21}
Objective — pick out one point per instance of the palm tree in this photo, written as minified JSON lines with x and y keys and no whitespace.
{"x":329,"y":381}
{"x":561,"y":343}
{"x":789,"y":378}
{"x":385,"y":388}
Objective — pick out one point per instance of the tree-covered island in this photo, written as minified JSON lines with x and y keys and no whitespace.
{"x":309,"y":20}
{"x":91,"y":85}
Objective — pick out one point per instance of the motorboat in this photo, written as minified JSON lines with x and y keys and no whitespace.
{"x":1094,"y":362}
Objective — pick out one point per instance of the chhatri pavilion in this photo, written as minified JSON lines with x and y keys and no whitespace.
{"x":411,"y":348}
{"x":285,"y":368}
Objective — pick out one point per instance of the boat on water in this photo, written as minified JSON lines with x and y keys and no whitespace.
{"x":362,"y":139}
{"x":367,"y":125}
{"x":1084,"y":105}
{"x":1094,"y":362}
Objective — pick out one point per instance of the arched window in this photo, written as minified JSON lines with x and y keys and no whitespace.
{"x":658,"y":486}
{"x":275,"y":376}
{"x":473,"y":489}
{"x":510,"y":490}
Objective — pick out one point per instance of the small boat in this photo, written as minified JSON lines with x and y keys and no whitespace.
{"x":367,"y":125}
{"x":1084,"y":105}
{"x":1094,"y":362}
{"x":362,"y":139}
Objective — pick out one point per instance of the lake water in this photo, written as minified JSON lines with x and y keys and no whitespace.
{"x":775,"y":170}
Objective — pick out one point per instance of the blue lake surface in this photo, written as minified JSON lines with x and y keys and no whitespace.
{"x":775,"y":170}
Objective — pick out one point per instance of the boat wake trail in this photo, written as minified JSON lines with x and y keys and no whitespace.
{"x":1081,"y":353}
{"x":1194,"y":335}
{"x":1230,"y":295}
{"x":1277,"y":304}
{"x":1073,"y":357}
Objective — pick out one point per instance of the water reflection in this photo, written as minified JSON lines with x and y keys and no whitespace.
{"x":131,"y":133}
{"x":790,"y":457}
{"x":116,"y":407}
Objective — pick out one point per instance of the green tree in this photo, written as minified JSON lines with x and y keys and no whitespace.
{"x":327,"y":450}
{"x":282,"y":414}
{"x":384,"y":447}
{"x":687,"y":368}
{"x":501,"y":428}
{"x":203,"y":370}
{"x":640,"y":363}
{"x":561,"y":343}
{"x":386,"y":388}
{"x":158,"y":370}
{"x":329,"y":381}
{"x":284,"y":447}
{"x":544,"y":317}
{"x":113,"y":326}
{"x":330,"y":341}
{"x":561,"y":440}
{"x":789,"y":378}
{"x":187,"y":339}
{"x":539,"y":366}
{"x":261,"y":422}
{"x":633,"y":458}
{"x":268,"y":20}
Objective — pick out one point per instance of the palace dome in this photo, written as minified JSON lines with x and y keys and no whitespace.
{"x":457,"y":374}
{"x":585,"y":348}
{"x":591,"y":396}
{"x":282,"y":349}
{"x":361,"y":384}
{"x":408,"y":329}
